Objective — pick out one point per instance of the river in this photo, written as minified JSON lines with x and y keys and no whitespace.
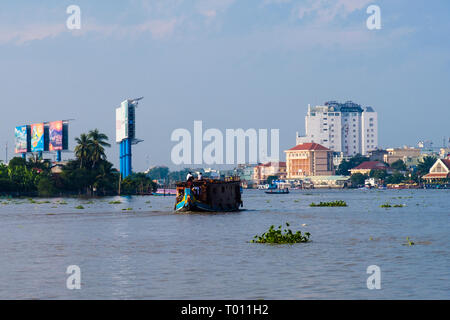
{"x":141,"y":249}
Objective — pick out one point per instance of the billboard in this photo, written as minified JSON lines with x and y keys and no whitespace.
{"x":37,"y":137}
{"x":122,"y":122}
{"x":55,"y":129}
{"x":21,"y":139}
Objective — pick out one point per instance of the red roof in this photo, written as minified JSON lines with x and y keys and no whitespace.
{"x":371,"y":165}
{"x":309,"y":146}
{"x":442,"y":175}
{"x":446,"y":162}
{"x":269,"y":164}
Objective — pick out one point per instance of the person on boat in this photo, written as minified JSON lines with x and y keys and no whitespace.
{"x":189,"y":177}
{"x":200,"y":176}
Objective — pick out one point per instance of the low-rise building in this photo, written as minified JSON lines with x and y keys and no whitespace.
{"x":309,"y":159}
{"x":440,"y":171}
{"x":263,"y":171}
{"x":338,"y":182}
{"x":367,"y":166}
{"x":377,"y":155}
{"x":405,"y":154}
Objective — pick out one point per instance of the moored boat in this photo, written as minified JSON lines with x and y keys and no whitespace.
{"x":277,"y":191}
{"x":209,"y":195}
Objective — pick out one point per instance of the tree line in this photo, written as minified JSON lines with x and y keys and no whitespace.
{"x":400,"y":172}
{"x":89,"y":174}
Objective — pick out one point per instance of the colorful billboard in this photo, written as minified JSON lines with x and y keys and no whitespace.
{"x":37,"y":137}
{"x":122,"y":122}
{"x":21,"y":139}
{"x":55,"y":136}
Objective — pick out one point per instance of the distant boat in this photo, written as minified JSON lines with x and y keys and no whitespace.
{"x":274,"y":189}
{"x":209,"y":195}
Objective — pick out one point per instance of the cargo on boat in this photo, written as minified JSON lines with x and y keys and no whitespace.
{"x":209,"y":195}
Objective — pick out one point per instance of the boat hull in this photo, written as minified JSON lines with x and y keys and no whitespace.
{"x":190,"y":203}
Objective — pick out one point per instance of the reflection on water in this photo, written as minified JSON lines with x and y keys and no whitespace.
{"x":140,"y":249}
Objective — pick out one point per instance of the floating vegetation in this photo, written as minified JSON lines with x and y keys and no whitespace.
{"x":279,"y":236}
{"x":80,"y":207}
{"x":296,"y":200}
{"x":127,"y":209}
{"x":408,"y":242}
{"x":89,"y":202}
{"x":147,"y":201}
{"x":388,"y":205}
{"x":42,"y":202}
{"x":115,"y":202}
{"x":337,"y":203}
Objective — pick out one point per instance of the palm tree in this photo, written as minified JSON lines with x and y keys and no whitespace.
{"x":83,"y":150}
{"x":99,"y":142}
{"x":425,"y":165}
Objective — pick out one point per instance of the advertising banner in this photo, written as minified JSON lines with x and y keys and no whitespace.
{"x":37,"y":137}
{"x":55,"y":136}
{"x":122,"y":122}
{"x":21,"y":145}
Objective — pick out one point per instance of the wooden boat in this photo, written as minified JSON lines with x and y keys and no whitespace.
{"x":277,"y":191}
{"x":209,"y":195}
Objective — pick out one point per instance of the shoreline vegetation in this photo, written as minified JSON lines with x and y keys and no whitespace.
{"x":90,"y":174}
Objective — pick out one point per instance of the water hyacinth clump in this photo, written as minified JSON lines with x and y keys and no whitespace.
{"x":388,"y":205}
{"x":337,"y":203}
{"x":279,"y":236}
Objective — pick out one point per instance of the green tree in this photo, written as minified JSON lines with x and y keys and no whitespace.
{"x":346,"y":165}
{"x":395,"y":178}
{"x":98,"y":143}
{"x":399,"y":165}
{"x":425,"y":165}
{"x":158,"y":173}
{"x":46,"y":187}
{"x":358,"y":179}
{"x":378,"y":174}
{"x":17,"y":162}
{"x":138,"y":183}
{"x":83,"y":150}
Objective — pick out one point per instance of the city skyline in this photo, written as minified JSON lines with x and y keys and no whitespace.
{"x":231,"y":64}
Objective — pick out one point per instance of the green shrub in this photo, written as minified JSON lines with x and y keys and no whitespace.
{"x":337,"y":203}
{"x":277,"y":236}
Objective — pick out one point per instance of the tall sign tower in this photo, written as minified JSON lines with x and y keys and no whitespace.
{"x":126,"y":133}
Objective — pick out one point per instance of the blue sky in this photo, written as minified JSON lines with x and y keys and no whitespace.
{"x":231,"y":63}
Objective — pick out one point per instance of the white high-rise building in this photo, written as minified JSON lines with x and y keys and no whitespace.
{"x":342,"y":127}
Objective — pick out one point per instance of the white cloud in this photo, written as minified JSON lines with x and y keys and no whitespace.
{"x":324,"y":11}
{"x":30,"y":33}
